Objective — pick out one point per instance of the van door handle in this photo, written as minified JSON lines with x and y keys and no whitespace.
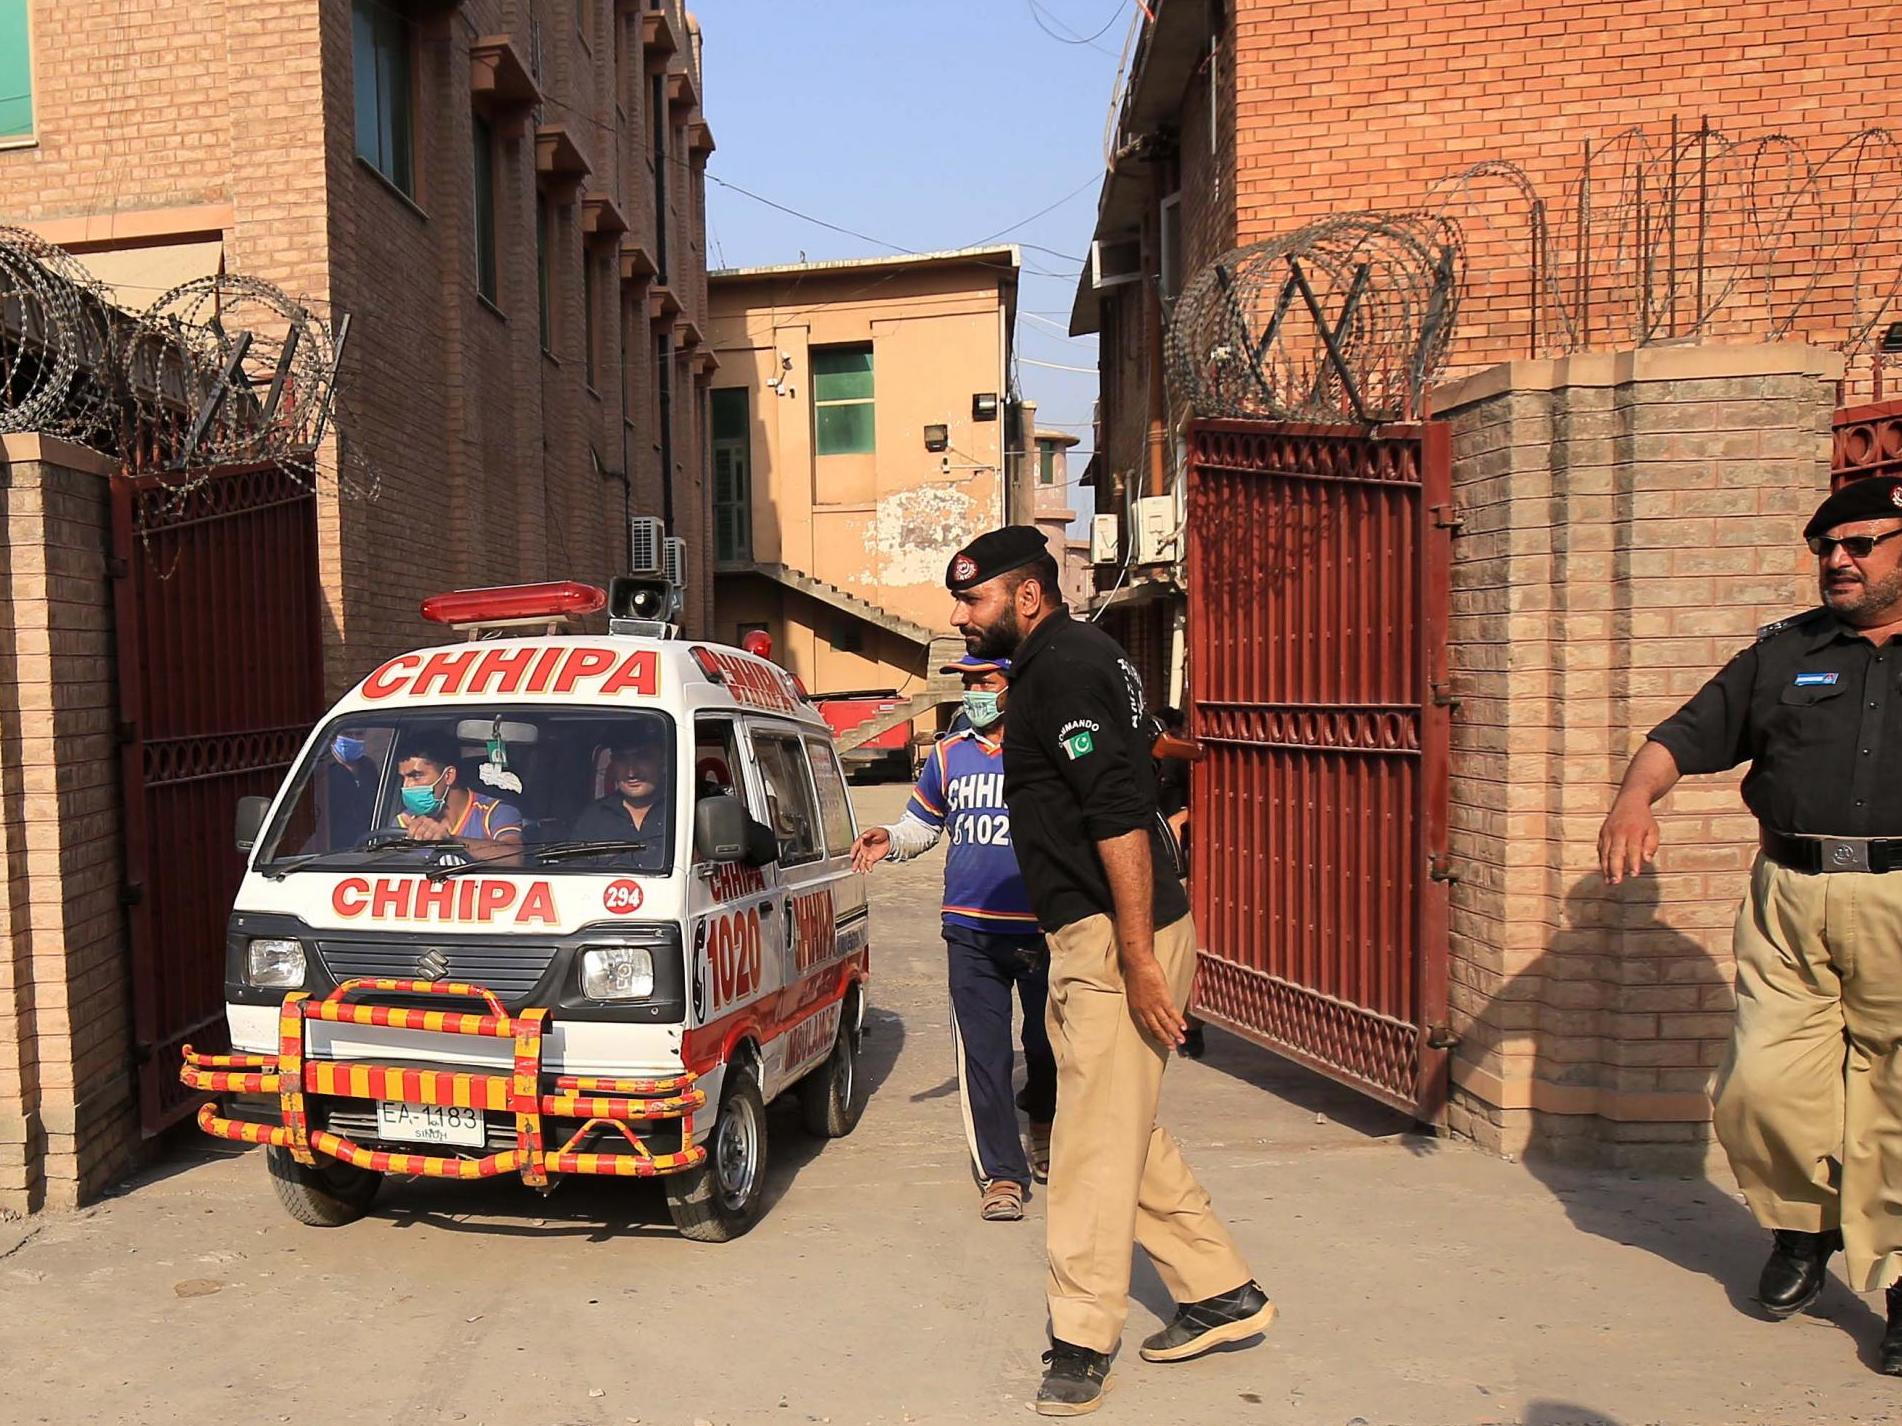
{"x":766,"y":908}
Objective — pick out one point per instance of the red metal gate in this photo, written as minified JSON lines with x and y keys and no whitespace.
{"x":1319,"y":579}
{"x":220,"y":620}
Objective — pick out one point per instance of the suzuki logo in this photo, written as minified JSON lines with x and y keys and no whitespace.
{"x":432,"y":965}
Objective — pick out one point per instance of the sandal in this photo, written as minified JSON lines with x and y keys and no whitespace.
{"x":1003,"y":1201}
{"x":1039,"y":1151}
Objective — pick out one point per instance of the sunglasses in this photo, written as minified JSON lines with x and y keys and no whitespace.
{"x":1857,"y":547}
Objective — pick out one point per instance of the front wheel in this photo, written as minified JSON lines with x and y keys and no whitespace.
{"x":724,"y":1196}
{"x":327,"y":1194}
{"x":829,"y":1097}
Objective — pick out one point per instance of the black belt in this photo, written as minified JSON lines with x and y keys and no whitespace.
{"x":1819,"y":854}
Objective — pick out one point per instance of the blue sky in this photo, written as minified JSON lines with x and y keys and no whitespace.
{"x":924,"y":124}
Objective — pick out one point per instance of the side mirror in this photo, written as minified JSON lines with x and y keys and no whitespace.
{"x":251,"y":813}
{"x":720,"y":832}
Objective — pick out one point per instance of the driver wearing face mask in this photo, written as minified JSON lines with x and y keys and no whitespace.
{"x":437,"y":808}
{"x":991,"y":938}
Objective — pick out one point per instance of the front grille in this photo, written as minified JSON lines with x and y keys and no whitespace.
{"x":510,"y":968}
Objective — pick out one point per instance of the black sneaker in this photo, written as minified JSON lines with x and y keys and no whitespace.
{"x":1889,"y":1354}
{"x":1073,"y":1380}
{"x":1198,"y":1326}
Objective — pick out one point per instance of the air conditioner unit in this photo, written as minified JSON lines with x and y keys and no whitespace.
{"x":645,"y":538}
{"x":1115,"y":262}
{"x":1156,"y":529}
{"x":673,"y":560}
{"x":1105,"y":539}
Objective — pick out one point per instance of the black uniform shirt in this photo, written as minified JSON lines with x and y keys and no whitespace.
{"x":1816,"y":709}
{"x":1077,"y":771}
{"x":606,"y":820}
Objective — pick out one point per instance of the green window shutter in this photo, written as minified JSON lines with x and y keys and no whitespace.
{"x":729,"y":413}
{"x":16,"y":72}
{"x":842,"y":373}
{"x":845,"y":429}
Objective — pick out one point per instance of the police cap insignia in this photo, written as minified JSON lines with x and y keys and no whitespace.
{"x":993,"y":553}
{"x":1875,"y":497}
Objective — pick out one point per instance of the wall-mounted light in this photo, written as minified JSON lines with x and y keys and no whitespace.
{"x":937,"y":438}
{"x":984,"y":406}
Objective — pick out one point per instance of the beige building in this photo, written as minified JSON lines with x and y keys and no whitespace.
{"x":861,"y":432}
{"x":1047,"y":454}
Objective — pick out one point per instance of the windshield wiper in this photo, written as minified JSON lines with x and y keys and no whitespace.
{"x":393,"y":843}
{"x":565,"y":851}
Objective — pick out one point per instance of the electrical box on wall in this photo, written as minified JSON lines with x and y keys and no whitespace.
{"x":1156,"y":529}
{"x":1103,"y":539}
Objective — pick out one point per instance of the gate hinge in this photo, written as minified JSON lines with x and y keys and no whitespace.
{"x":132,"y":893}
{"x":1443,"y":696}
{"x":1441,"y":1037}
{"x":1448,"y":517}
{"x":1440,"y":867}
{"x":117,"y":568}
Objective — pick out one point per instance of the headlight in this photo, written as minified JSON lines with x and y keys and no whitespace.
{"x":275,"y":964}
{"x":617,"y":972}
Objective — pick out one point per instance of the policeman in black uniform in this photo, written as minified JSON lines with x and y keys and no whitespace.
{"x":1809,"y":1099}
{"x":1099,"y":863}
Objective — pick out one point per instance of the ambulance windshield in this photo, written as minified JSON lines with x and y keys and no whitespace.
{"x":568,"y":790}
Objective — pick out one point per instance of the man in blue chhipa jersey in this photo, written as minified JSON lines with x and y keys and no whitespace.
{"x":992,"y":938}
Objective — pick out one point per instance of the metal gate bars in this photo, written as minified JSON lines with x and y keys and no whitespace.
{"x":219,"y":625}
{"x":1319,"y":580}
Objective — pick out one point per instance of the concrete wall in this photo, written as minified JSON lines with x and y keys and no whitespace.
{"x":1630,"y":520}
{"x":68,"y":1120}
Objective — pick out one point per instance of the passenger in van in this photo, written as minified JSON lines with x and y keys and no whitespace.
{"x":991,"y":937}
{"x":436,"y":808}
{"x":350,"y":777}
{"x":635,"y":806}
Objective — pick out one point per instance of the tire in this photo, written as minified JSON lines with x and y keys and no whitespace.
{"x":724,"y":1196}
{"x":328,"y":1195}
{"x":830,"y":1097}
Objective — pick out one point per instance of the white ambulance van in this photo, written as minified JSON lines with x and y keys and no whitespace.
{"x":539,"y":905}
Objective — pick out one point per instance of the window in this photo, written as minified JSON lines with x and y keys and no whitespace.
{"x":1046,"y":462}
{"x":485,"y":207}
{"x":16,"y":72}
{"x":380,"y":53}
{"x":1169,"y":247}
{"x":657,"y":127}
{"x":835,"y":811}
{"x":590,"y":328}
{"x":732,"y":476}
{"x":542,"y":218}
{"x":790,"y":810}
{"x":842,"y":400}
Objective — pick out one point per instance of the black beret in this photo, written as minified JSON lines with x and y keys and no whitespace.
{"x":993,"y":553}
{"x":1875,"y":497}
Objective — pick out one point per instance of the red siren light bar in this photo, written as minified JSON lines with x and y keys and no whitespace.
{"x":515,"y":603}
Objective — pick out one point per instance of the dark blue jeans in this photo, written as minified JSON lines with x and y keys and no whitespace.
{"x":985,"y":967}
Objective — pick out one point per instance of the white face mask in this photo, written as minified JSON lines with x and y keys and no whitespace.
{"x":982,"y":708}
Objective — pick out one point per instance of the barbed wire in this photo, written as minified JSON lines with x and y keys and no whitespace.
{"x":1350,"y":316}
{"x":1693,"y":235}
{"x":220,"y":371}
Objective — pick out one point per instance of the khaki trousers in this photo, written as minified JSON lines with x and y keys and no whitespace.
{"x":1116,"y":1176}
{"x":1809,"y":1100}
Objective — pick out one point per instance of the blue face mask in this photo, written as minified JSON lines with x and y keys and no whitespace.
{"x":423,"y":801}
{"x":347,"y":749}
{"x":982,"y":708}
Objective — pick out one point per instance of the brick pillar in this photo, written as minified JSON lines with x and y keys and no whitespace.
{"x":68,"y":1121}
{"x":1630,"y":519}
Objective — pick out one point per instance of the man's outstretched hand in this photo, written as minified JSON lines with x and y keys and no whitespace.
{"x":871,"y":848}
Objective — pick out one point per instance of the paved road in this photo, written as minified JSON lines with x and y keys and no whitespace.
{"x":1420,"y":1284}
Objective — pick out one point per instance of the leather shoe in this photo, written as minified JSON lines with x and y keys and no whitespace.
{"x":1889,"y":1354}
{"x":1796,"y":1271}
{"x":1073,"y":1380}
{"x":1199,"y":1327}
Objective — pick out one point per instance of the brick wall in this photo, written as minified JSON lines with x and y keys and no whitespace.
{"x":67,"y":1117}
{"x":1366,"y":105}
{"x":1630,"y":521}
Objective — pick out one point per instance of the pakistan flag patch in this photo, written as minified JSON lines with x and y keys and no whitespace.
{"x":1078,"y":744}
